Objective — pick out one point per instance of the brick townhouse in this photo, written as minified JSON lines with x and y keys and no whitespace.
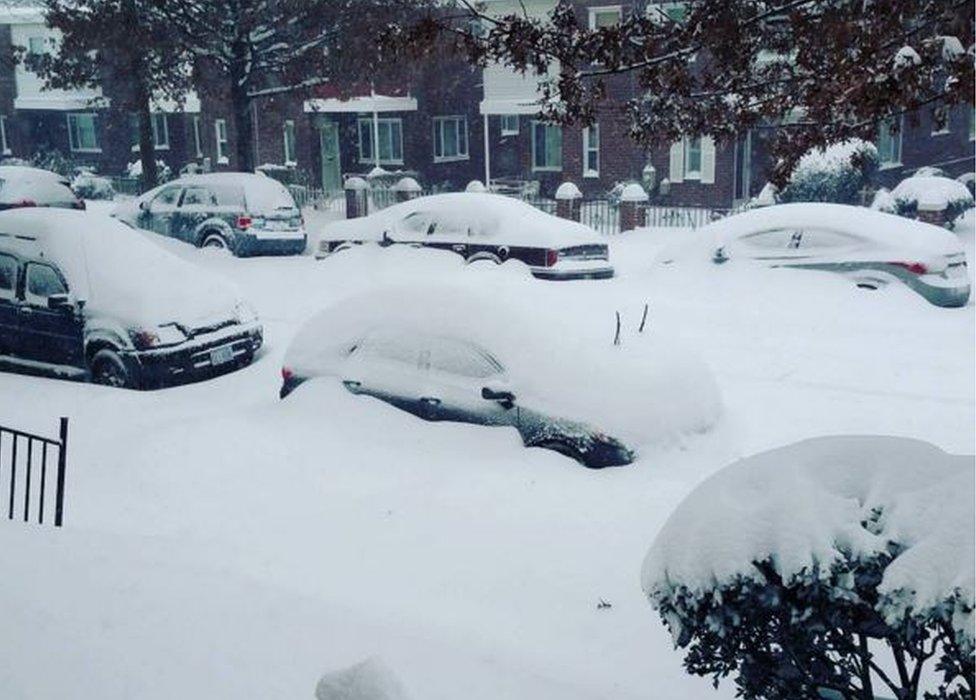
{"x":450,"y":124}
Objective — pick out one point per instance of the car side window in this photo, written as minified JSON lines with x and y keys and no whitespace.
{"x":461,"y":359}
{"x":823,"y":238}
{"x":401,"y":349}
{"x":8,"y":276}
{"x":198,"y":196}
{"x":778,"y":239}
{"x":417,"y":223}
{"x":43,"y":281}
{"x":165,"y":199}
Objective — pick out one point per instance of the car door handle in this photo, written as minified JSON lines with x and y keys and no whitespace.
{"x":430,"y":400}
{"x":26,"y":310}
{"x":459,"y":247}
{"x":352,"y":384}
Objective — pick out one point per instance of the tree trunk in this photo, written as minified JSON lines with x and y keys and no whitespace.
{"x":244,"y":123}
{"x":147,"y":149}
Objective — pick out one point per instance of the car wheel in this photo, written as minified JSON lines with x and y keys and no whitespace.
{"x":215,"y":241}
{"x":108,"y":369}
{"x":341,"y":247}
{"x":484,"y":257}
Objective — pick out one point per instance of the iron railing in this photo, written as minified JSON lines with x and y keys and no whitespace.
{"x":25,"y":455}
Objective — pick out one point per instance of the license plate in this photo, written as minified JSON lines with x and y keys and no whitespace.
{"x":221,"y":355}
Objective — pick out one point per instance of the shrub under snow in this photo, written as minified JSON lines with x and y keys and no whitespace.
{"x":836,"y":174}
{"x":789,"y":569}
{"x":939,"y":192}
{"x":90,"y":186}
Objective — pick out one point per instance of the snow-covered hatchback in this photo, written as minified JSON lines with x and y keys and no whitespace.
{"x":83,"y":296}
{"x":480,"y":227}
{"x":245,"y":213}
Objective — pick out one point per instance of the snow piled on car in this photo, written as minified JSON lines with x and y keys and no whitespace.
{"x":646,"y":389}
{"x":807,"y":506}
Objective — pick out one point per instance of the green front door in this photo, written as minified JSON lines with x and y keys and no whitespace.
{"x":329,"y":149}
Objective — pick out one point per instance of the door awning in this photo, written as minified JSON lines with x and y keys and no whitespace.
{"x":366,"y":103}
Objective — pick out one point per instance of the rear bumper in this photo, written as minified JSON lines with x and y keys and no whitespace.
{"x":196,"y":359}
{"x":271,"y":243}
{"x":554,"y":273}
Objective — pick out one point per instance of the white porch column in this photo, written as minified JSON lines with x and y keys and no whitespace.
{"x":376,"y":131}
{"x":487,"y":157}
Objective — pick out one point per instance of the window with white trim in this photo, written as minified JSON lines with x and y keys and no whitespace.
{"x":4,"y":147}
{"x":197,"y":141}
{"x":289,"y":140}
{"x":510,"y":124}
{"x":220,"y":132}
{"x":605,"y":17}
{"x":693,"y":158}
{"x":390,"y":140}
{"x":940,"y":121}
{"x":547,"y":146}
{"x":38,"y":45}
{"x":83,"y":133}
{"x":889,"y":142}
{"x":591,"y":151}
{"x":160,"y":131}
{"x":450,"y":138}
{"x":668,"y":11}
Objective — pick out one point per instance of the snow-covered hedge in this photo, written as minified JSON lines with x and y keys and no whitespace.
{"x":942,"y":193}
{"x":163,"y":171}
{"x":788,"y":569}
{"x":88,"y":185}
{"x":836,"y":174}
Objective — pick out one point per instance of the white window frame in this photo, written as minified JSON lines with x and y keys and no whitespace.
{"x":945,"y":127}
{"x":604,"y":9}
{"x":690,"y":174}
{"x":288,"y":141}
{"x":44,"y":42}
{"x":4,"y":146}
{"x":591,"y":146}
{"x":220,"y":132}
{"x":545,"y":168}
{"x":658,"y":11}
{"x":160,"y":144}
{"x":884,"y":128}
{"x":197,"y":141}
{"x":72,"y":118}
{"x":367,"y":123}
{"x":507,"y":128}
{"x":461,"y":131}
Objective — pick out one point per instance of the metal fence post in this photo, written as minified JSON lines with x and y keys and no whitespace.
{"x":62,"y":462}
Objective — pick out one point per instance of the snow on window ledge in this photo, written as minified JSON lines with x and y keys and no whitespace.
{"x":223,"y":160}
{"x":450,"y":159}
{"x":891,"y":165}
{"x":591,"y":173}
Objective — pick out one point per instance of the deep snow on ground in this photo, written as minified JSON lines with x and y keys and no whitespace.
{"x":220,"y":543}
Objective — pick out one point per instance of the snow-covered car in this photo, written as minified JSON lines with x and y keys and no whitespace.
{"x":245,"y":213}
{"x":464,"y":349}
{"x":480,"y":226}
{"x":872,"y":248}
{"x":23,"y":186}
{"x":84,"y":296}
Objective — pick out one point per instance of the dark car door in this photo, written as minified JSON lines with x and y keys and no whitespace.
{"x":159,"y":212}
{"x":9,"y":308}
{"x":50,"y":335}
{"x":197,"y":204}
{"x":387,"y":366}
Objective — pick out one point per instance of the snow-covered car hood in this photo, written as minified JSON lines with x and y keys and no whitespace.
{"x":120,"y":272}
{"x":498,"y":219}
{"x":878,"y":231}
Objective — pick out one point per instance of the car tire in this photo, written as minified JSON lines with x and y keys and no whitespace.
{"x":346,"y":245}
{"x":108,"y":369}
{"x":484,"y":257}
{"x":216,"y":241}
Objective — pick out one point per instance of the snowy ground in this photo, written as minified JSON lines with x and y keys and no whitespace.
{"x":222,"y":544}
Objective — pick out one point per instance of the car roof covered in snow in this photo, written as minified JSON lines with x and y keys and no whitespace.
{"x":507,"y":219}
{"x":119,"y":271}
{"x":28,"y":173}
{"x":887,"y":231}
{"x":262,"y":194}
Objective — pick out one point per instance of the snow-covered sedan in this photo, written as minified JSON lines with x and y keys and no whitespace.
{"x":84,"y":296}
{"x":480,"y":226}
{"x":244,"y":213}
{"x":23,"y":186}
{"x":869,"y":247}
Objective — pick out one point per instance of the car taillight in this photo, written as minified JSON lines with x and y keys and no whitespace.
{"x":552,"y":257}
{"x":286,"y":374}
{"x":916,"y":268}
{"x":244,"y":222}
{"x":79,"y":204}
{"x":25,"y":203}
{"x":144,"y":340}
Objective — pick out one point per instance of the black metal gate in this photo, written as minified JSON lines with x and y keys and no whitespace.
{"x":24,"y":460}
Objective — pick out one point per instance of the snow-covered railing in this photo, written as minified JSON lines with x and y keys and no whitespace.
{"x":24,"y":459}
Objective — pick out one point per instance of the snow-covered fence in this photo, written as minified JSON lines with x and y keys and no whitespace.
{"x":24,"y":459}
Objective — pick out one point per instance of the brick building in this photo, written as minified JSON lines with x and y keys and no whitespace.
{"x":450,"y":124}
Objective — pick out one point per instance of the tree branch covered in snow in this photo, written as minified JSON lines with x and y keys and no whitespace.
{"x":823,"y":72}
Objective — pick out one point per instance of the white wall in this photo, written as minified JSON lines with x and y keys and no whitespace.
{"x":30,"y":88}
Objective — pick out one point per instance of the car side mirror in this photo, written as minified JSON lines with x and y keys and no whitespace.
{"x":505,"y":398}
{"x":144,"y":205}
{"x":59,"y":301}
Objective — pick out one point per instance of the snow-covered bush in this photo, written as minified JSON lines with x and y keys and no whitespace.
{"x":88,"y":185}
{"x":837,"y":174}
{"x":163,"y":171}
{"x":952,"y":196}
{"x":969,"y":180}
{"x":53,"y":160}
{"x":767,"y":197}
{"x":883,"y":201}
{"x":836,"y":564}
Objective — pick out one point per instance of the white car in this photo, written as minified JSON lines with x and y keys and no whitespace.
{"x":23,"y":186}
{"x":84,"y":296}
{"x":480,"y":226}
{"x":871,"y":248}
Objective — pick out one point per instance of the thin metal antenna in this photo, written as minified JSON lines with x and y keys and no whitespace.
{"x":643,"y":319}
{"x":616,"y":337}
